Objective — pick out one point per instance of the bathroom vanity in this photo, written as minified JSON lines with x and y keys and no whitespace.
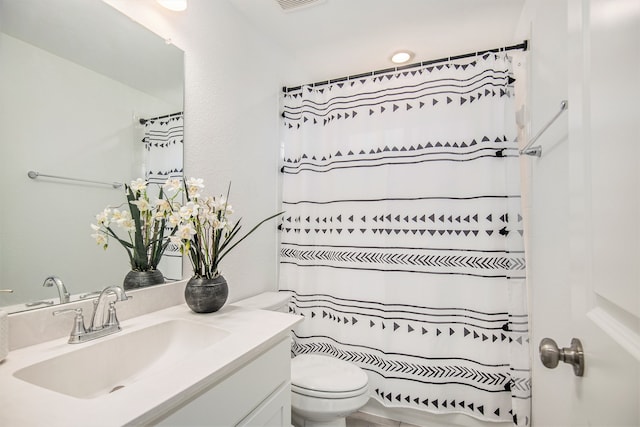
{"x":170,"y":367}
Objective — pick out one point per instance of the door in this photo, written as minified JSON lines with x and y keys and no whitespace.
{"x":604,"y":216}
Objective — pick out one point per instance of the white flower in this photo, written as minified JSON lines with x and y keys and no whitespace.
{"x":101,"y":239}
{"x":142,"y":204}
{"x":210,"y":216}
{"x":122,"y":219}
{"x":138,"y":185}
{"x":219,"y":203}
{"x":223,"y":205}
{"x":208,"y":202}
{"x":194,"y":185}
{"x":117,"y":215}
{"x":103,"y":217}
{"x":172,"y":184}
{"x":189,"y":210}
{"x":215,"y":223}
{"x":126,"y":224}
{"x":175,"y":219}
{"x":163,"y":206}
{"x":185,"y":231}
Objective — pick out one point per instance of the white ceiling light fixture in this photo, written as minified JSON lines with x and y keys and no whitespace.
{"x":402,"y":56}
{"x":175,"y":5}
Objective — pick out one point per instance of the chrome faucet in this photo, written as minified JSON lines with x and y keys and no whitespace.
{"x":99,"y":306}
{"x":99,"y":327}
{"x":62,"y":291}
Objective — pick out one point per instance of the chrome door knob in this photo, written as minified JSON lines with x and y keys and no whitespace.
{"x":551,"y":355}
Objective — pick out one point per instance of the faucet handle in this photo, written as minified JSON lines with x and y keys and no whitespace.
{"x":112,"y":319}
{"x":90,"y":295}
{"x":78,"y":323}
{"x":77,"y":311}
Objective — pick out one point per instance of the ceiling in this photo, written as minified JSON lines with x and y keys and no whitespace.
{"x":329,"y":39}
{"x":96,"y":36}
{"x":334,"y":38}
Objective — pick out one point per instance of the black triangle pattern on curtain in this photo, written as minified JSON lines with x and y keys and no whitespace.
{"x":163,"y":143}
{"x":462,"y":151}
{"x":402,"y":237}
{"x":434,"y":93}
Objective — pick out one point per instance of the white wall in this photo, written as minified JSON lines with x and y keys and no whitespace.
{"x":233,"y":81}
{"x":544,"y":23}
{"x":44,"y":224}
{"x":233,"y":78}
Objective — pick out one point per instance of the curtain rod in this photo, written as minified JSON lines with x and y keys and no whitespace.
{"x":522,"y":46}
{"x":166,"y":116}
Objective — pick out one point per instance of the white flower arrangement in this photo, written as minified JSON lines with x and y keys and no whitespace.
{"x":143,"y":224}
{"x":204,"y":229}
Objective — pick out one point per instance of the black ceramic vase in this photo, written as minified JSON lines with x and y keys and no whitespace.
{"x":206,"y":295}
{"x":141,"y":279}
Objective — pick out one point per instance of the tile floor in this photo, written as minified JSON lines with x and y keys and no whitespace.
{"x":360,"y":419}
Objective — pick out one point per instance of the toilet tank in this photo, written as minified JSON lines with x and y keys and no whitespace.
{"x":272,"y":301}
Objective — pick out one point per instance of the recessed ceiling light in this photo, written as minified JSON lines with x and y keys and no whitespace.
{"x":402,"y":56}
{"x":175,"y":5}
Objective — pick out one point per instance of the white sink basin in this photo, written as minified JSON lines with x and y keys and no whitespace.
{"x":111,"y":363}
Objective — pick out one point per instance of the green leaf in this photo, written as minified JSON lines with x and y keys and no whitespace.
{"x":115,"y":236}
{"x":140,"y":257}
{"x":247,"y":235}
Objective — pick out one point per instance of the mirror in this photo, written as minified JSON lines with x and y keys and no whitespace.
{"x":76,"y":77}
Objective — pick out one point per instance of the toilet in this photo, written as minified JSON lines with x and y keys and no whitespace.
{"x":324,"y":390}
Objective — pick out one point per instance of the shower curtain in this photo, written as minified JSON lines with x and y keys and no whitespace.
{"x":402,"y":240}
{"x":163,"y":147}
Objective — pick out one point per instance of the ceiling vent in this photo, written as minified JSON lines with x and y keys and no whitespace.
{"x":293,"y":5}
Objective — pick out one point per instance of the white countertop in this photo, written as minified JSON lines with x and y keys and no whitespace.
{"x":251,"y":332}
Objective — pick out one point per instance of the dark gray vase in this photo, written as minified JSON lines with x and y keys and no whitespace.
{"x":206,"y":295}
{"x":141,"y":279}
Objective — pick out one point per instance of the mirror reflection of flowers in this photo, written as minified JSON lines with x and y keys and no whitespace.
{"x":205,"y":230}
{"x":142,"y":226}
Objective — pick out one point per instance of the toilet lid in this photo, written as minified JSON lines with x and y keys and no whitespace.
{"x":316,"y":373}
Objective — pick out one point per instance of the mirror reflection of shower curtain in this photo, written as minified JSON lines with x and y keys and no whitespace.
{"x":163,"y":147}
{"x":402,"y":241}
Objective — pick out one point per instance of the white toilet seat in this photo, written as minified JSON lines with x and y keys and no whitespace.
{"x":328,"y":394}
{"x":317,"y":375}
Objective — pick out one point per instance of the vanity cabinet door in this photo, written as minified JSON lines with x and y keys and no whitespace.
{"x":274,"y":412}
{"x":256,"y":394}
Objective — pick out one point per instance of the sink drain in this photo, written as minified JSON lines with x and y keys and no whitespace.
{"x":118,"y":387}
